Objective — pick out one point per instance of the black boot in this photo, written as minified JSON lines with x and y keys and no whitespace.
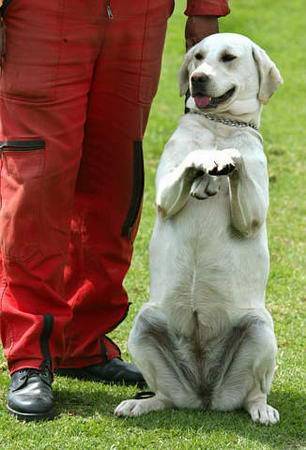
{"x":113,"y":371}
{"x":30,"y":395}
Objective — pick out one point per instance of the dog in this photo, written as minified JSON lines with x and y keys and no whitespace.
{"x":205,"y":339}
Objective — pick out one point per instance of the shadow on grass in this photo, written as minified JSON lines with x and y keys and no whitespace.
{"x":287,"y":434}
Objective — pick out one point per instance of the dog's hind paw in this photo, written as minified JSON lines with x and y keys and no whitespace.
{"x":134,"y":408}
{"x":264,"y":414}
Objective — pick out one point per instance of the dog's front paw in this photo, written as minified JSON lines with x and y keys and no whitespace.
{"x":204,"y":187}
{"x":234,"y":155}
{"x":215,"y":163}
{"x":264,"y":414}
{"x":226,"y":161}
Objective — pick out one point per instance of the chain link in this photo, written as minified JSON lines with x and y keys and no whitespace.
{"x":229,"y":122}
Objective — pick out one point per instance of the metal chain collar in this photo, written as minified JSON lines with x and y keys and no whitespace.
{"x":229,"y":122}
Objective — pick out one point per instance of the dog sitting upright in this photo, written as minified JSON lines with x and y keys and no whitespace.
{"x":205,"y":339}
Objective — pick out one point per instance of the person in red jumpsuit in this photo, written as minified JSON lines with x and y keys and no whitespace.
{"x":77,"y":82}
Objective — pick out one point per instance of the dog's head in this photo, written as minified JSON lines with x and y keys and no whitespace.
{"x":228,"y":72}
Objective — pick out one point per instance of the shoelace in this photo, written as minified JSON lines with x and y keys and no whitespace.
{"x":29,"y":373}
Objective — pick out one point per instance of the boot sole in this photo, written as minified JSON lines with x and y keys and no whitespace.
{"x":28,"y":417}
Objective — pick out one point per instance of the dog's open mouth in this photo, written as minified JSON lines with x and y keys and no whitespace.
{"x":204,"y":101}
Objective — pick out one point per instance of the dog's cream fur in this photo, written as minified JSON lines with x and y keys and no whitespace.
{"x":205,"y":339}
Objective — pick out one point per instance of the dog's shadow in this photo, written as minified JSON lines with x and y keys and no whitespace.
{"x":102,"y":401}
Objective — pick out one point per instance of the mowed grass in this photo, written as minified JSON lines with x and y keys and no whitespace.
{"x":85,"y":410}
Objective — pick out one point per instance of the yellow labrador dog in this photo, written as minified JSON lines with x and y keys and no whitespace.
{"x":205,"y":339}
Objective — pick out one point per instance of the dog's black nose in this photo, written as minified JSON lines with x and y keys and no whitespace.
{"x":199,"y":80}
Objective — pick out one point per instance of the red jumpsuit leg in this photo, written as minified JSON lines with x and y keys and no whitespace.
{"x":216,"y":8}
{"x":51,"y":51}
{"x":110,"y":181}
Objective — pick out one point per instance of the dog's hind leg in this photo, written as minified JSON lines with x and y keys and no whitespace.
{"x":249,"y":363}
{"x":159,"y":357}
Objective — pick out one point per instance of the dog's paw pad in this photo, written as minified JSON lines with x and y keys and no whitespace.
{"x":264,"y":414}
{"x":222,"y":170}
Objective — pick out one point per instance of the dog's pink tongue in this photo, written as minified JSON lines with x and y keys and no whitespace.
{"x":202,"y":100}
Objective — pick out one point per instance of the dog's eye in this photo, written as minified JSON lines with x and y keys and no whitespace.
{"x":199,"y":56}
{"x":227,"y":57}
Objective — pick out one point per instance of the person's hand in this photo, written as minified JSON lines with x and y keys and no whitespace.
{"x":198,"y":27}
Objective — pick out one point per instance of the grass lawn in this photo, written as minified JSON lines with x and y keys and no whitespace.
{"x":85,"y":419}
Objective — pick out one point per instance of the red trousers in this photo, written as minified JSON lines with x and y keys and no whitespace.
{"x":77,"y":83}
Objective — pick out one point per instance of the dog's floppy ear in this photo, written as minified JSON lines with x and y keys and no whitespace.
{"x":269,"y":76}
{"x":184,"y":73}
